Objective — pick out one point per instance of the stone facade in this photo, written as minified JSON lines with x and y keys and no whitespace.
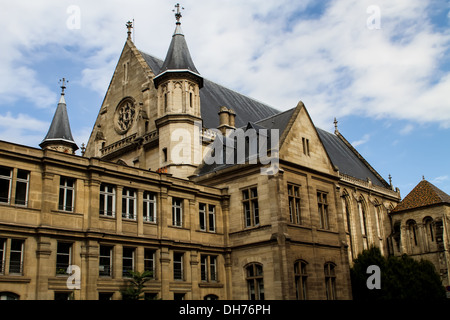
{"x":227,"y":233}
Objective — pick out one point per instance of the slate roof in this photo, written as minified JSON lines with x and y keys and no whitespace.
{"x":347,"y":160}
{"x":178,"y":56}
{"x":60,"y":127}
{"x":249,"y":110}
{"x":423,"y":195}
{"x":213,"y":96}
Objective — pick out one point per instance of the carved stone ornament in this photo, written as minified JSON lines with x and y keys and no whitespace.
{"x":124,"y":116}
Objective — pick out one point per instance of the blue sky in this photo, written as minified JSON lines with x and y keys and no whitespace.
{"x":387,"y":86}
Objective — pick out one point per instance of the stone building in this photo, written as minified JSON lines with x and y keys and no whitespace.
{"x":145,"y":195}
{"x":420,"y":227}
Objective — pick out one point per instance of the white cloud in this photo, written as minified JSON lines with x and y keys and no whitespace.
{"x":22,"y":129}
{"x":268,"y":50}
{"x":362,"y":141}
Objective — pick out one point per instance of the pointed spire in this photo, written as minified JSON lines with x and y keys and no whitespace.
{"x":178,"y":58}
{"x":336,"y":131}
{"x":59,"y":136}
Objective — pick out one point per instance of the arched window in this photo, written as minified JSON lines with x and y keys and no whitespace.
{"x":9,"y":296}
{"x":348,"y":227}
{"x":363,"y":221}
{"x":255,"y":281}
{"x":330,"y":280}
{"x":412,"y":233}
{"x":301,"y":277}
{"x":429,"y":228}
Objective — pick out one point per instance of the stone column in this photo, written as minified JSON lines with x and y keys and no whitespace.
{"x":89,"y":269}
{"x":43,"y":253}
{"x":165,"y":273}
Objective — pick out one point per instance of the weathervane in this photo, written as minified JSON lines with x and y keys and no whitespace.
{"x":178,"y":13}
{"x":63,"y":81}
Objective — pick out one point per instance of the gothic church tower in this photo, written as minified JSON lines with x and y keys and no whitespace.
{"x":151,"y":117}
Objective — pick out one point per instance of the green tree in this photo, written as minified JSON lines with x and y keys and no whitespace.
{"x":401,"y":278}
{"x":134,"y":291}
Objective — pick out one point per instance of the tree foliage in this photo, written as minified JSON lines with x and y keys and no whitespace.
{"x":401,"y":278}
{"x":134,"y":291}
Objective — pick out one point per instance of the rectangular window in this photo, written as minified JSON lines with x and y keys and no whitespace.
{"x":2,"y":255}
{"x":294,"y":204}
{"x":212,"y":218}
{"x":250,"y":205}
{"x":23,"y":177}
{"x":16,"y":256}
{"x":107,"y":200}
{"x":5,"y":184}
{"x":63,"y":257}
{"x":66,"y":192}
{"x":177,"y":266}
{"x":127,"y":261}
{"x":305,"y":143}
{"x":177,"y":212}
{"x":105,"y":261}
{"x":129,"y":204}
{"x":323,"y":209}
{"x":149,"y":207}
{"x":207,"y":222}
{"x":208,"y":268}
{"x":149,"y":262}
{"x":202,"y":216}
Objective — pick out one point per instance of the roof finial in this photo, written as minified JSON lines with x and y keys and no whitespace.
{"x":178,"y":13}
{"x":423,"y":177}
{"x":129,"y":26}
{"x":336,"y":131}
{"x":390,"y":180}
{"x":63,"y":86}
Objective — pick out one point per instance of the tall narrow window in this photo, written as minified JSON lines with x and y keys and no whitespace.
{"x":5,"y":184}
{"x":330,"y":281}
{"x":66,"y":192}
{"x":149,"y":207}
{"x":191,"y":102}
{"x":164,"y":154}
{"x":300,"y":280}
{"x":127,"y":261}
{"x":363,"y":220}
{"x":255,"y":281}
{"x":63,"y":257}
{"x":2,"y":255}
{"x":202,"y":216}
{"x":294,"y":204}
{"x":129,"y":203}
{"x":429,"y":228}
{"x":412,"y":229}
{"x":16,"y":256}
{"x":305,"y":143}
{"x":149,"y":262}
{"x":107,"y":200}
{"x":177,"y":212}
{"x":165,"y":102}
{"x":207,"y":220}
{"x":105,"y":261}
{"x":211,"y":218}
{"x":23,"y":177}
{"x":322,"y":204}
{"x":251,"y":209}
{"x":177,"y":266}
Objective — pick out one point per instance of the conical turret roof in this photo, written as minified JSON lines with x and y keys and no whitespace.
{"x":59,"y":131}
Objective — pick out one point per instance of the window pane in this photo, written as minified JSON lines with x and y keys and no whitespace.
{"x":4,"y":189}
{"x":21,"y":193}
